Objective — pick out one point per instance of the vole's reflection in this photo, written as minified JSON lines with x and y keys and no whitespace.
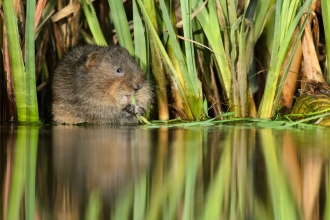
{"x":86,"y":159}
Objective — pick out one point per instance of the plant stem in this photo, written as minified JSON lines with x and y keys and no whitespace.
{"x":121,"y":24}
{"x":16,"y":60}
{"x":31,"y":93}
{"x":326,"y":24}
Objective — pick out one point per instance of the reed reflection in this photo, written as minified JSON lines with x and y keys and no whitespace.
{"x":98,"y":161}
{"x":19,"y":144}
{"x":216,"y":172}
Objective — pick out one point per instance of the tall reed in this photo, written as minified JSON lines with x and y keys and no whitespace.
{"x":206,"y":58}
{"x":24,"y":80}
{"x":326,"y":21}
{"x":283,"y":32}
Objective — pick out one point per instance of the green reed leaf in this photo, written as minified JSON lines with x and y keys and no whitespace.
{"x":119,"y":18}
{"x":16,"y":60}
{"x":93,"y":23}
{"x":31,"y":93}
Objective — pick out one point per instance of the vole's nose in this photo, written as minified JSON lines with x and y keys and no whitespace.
{"x":137,"y":87}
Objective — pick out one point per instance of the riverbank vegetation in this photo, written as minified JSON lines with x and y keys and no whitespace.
{"x":204,"y":58}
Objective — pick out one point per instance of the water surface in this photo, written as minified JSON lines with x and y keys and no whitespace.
{"x":127,"y":172}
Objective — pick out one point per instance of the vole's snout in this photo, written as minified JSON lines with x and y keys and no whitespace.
{"x":137,"y":87}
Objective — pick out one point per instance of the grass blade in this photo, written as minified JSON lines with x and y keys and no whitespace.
{"x":31,"y":93}
{"x":93,"y":22}
{"x":194,"y":103}
{"x":242,"y":73}
{"x":189,"y":48}
{"x":326,"y":23}
{"x":157,"y":63}
{"x":16,"y":60}
{"x":265,"y":109}
{"x":163,"y":53}
{"x":287,"y":67}
{"x":140,"y":40}
{"x":210,"y":25}
{"x":260,"y":20}
{"x":121,"y":24}
{"x":268,"y":105}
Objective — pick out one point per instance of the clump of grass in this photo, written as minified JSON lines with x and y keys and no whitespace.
{"x":202,"y":62}
{"x":24,"y":77}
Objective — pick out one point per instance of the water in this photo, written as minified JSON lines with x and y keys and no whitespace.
{"x":210,"y":172}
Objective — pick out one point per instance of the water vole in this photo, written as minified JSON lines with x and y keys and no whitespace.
{"x":94,"y":84}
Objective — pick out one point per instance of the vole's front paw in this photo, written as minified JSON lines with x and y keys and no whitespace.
{"x":134,"y":110}
{"x":141,"y":111}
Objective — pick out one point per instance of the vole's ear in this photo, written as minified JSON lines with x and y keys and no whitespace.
{"x":92,"y":59}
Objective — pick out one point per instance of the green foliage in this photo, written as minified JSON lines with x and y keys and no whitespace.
{"x":140,"y":41}
{"x":212,"y":59}
{"x":326,"y":23}
{"x":24,"y":82}
{"x":190,"y":83}
{"x":118,"y":15}
{"x":210,"y":25}
{"x":283,"y":32}
{"x":93,"y":22}
{"x":31,"y":93}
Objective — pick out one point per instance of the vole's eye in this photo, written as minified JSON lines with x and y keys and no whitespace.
{"x":119,"y":70}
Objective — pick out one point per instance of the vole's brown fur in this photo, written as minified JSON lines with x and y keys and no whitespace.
{"x":94,"y":84}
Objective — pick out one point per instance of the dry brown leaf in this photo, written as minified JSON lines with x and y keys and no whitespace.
{"x":40,"y":7}
{"x":289,"y":87}
{"x":312,"y":66}
{"x":66,"y":11}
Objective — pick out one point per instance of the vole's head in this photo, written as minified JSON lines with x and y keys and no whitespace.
{"x":116,"y":75}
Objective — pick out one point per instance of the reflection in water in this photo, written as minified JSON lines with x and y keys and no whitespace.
{"x":100,"y":159}
{"x":18,"y":170}
{"x":217,"y":172}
